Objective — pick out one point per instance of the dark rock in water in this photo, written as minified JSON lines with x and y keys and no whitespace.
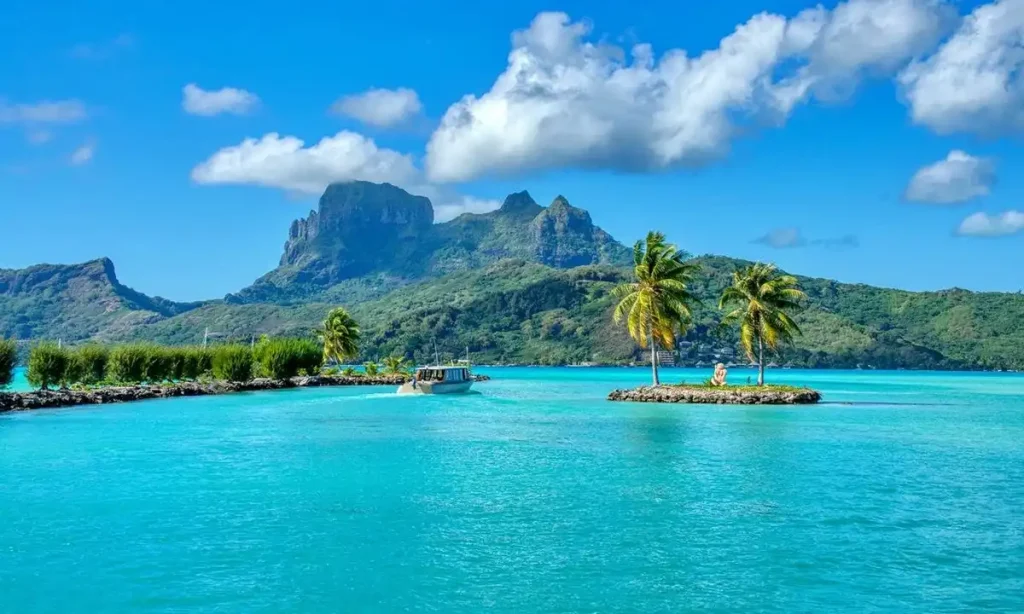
{"x":719,"y":396}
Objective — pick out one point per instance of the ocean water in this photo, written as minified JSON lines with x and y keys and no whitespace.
{"x":904,"y":492}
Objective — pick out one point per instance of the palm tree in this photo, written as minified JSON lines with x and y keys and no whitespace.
{"x":657,"y":303}
{"x":370,"y":368}
{"x":394,"y":364}
{"x":340,"y":336}
{"x":759,"y":297}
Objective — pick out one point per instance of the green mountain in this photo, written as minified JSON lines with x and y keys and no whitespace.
{"x":73,"y":302}
{"x":522,"y":284}
{"x":365,"y":239}
{"x":514,"y":311}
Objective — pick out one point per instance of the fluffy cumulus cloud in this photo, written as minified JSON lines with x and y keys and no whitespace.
{"x":286,"y":162}
{"x":564,"y":101}
{"x":197,"y":101}
{"x":959,"y":178}
{"x":380,"y":107}
{"x":83,"y":155}
{"x":789,"y":238}
{"x":974,"y":82}
{"x":43,"y":112}
{"x":985,"y":225}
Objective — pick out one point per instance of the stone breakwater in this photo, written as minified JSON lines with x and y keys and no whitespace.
{"x":720,"y":396}
{"x":42,"y":399}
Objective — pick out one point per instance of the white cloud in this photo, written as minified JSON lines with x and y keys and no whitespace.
{"x":563,"y":101}
{"x":197,"y":101}
{"x":380,"y":107}
{"x":860,"y":38}
{"x":975,"y":81}
{"x":959,"y":178}
{"x":449,"y":205}
{"x":984,"y":225}
{"x":83,"y":155}
{"x":285,"y":162}
{"x":43,"y":112}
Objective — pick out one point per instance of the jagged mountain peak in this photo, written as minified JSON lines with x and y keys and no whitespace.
{"x":364,"y":229}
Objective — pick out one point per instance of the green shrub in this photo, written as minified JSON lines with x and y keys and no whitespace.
{"x":8,"y":358}
{"x":159,"y":363}
{"x":87,"y":365}
{"x":47,"y":364}
{"x":129,"y":364}
{"x":282,"y":358}
{"x":197,"y":363}
{"x":232,"y":363}
{"x":370,"y":368}
{"x":349,"y":372}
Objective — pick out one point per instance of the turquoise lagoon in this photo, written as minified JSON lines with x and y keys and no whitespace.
{"x":904,"y":492}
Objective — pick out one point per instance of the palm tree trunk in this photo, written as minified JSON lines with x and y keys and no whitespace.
{"x":760,"y":361}
{"x":654,"y":355}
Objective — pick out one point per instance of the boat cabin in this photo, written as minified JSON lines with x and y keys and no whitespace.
{"x":443,"y":374}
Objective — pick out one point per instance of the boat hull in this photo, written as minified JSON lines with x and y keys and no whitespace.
{"x":435,"y":387}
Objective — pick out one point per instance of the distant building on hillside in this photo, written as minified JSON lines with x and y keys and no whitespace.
{"x":666,"y":358}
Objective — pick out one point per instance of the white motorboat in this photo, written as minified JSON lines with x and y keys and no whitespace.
{"x":438,"y":380}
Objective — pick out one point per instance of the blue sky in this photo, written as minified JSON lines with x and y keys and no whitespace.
{"x":870,"y":141}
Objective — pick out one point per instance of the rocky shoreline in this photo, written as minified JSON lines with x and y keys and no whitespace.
{"x":718,"y":396}
{"x":44,"y":399}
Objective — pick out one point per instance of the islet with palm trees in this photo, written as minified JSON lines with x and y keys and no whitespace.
{"x":656,"y":308}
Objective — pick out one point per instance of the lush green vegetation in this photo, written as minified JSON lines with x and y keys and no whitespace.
{"x":87,"y":365}
{"x":233,"y":363}
{"x":526,"y":313}
{"x":47,"y":365}
{"x":74,"y":303}
{"x":395,"y":364}
{"x":51,"y":365}
{"x":283,"y":358}
{"x":8,"y":358}
{"x":410,"y":282}
{"x":657,"y":302}
{"x":339,"y":334}
{"x":760,"y":297}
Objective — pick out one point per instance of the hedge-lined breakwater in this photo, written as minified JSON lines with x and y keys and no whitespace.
{"x":726,"y":395}
{"x":41,"y":399}
{"x":44,"y":399}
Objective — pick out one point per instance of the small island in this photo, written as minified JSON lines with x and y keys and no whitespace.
{"x":656,"y":308}
{"x":721,"y":395}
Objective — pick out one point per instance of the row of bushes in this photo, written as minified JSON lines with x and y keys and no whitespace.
{"x":90,"y":365}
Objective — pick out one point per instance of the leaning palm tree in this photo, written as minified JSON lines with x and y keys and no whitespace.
{"x":394,"y":364}
{"x":657,"y":303}
{"x":759,"y":297}
{"x":340,"y":336}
